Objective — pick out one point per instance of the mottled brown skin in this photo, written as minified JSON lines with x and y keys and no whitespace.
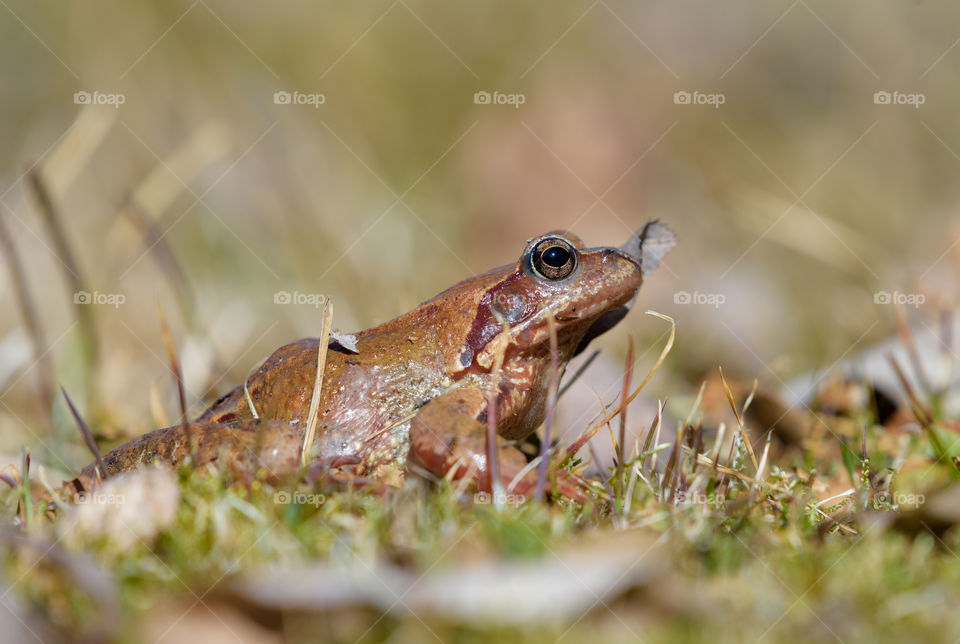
{"x":418,"y":385}
{"x":241,"y":449}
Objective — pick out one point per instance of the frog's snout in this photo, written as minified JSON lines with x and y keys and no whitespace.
{"x":617,"y":254}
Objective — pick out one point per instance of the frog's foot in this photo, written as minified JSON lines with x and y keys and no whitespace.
{"x":449,"y":441}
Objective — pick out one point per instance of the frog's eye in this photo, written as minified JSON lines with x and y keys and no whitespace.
{"x":554,"y":258}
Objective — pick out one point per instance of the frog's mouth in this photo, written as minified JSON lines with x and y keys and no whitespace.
{"x":647,"y":248}
{"x":601,"y":325}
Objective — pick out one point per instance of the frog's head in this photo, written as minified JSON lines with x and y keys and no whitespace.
{"x":586,"y":290}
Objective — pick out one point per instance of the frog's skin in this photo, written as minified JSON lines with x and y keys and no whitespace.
{"x":418,"y":386}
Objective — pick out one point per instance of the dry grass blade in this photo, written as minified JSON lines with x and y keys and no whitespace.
{"x":551,"y":407}
{"x":71,"y":268}
{"x":311,"y":431}
{"x":27,"y":308}
{"x":87,"y":435}
{"x":920,"y":411}
{"x":761,"y":470}
{"x":627,"y":376}
{"x":159,"y":414}
{"x":178,"y":376}
{"x":493,"y":460}
{"x":703,"y":459}
{"x":743,"y":431}
{"x":673,"y":463}
{"x":578,"y":444}
{"x":863,"y":443}
{"x":156,"y":243}
{"x":750,"y":397}
{"x":696,"y":403}
{"x":605,"y":481}
{"x":654,"y":428}
{"x":922,"y":414}
{"x":947,"y":353}
{"x":906,"y":338}
{"x":246,"y":390}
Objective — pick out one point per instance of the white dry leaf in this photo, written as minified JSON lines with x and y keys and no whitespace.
{"x":650,"y":245}
{"x":346,"y":341}
{"x":568,"y":581}
{"x":127,"y":509}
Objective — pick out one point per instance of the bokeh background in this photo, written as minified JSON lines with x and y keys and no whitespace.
{"x":796,"y":192}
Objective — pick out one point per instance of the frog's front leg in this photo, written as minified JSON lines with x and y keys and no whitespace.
{"x":448,"y":436}
{"x":450,"y":433}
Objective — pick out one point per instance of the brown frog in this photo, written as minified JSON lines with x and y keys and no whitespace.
{"x":418,"y":387}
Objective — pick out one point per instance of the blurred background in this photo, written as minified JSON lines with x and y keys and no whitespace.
{"x":208,"y":156}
